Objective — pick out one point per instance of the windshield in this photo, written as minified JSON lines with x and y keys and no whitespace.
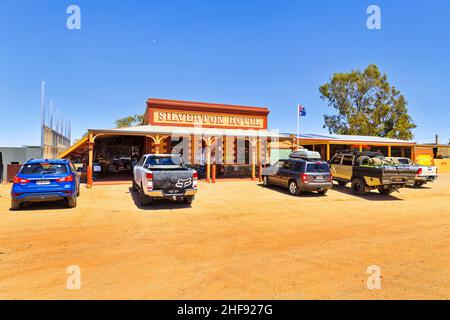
{"x":403,"y":161}
{"x":317,"y":167}
{"x":164,"y":161}
{"x":44,"y":168}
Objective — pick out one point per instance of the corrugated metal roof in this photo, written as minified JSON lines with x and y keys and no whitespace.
{"x":339,"y":137}
{"x":150,"y":129}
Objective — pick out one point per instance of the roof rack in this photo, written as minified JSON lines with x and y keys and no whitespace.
{"x":305,"y":154}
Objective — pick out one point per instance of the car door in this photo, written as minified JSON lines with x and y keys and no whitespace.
{"x":76,"y":174}
{"x":273,"y":173}
{"x":335,"y":166}
{"x":285,"y":173}
{"x":347,"y":166}
{"x":137,"y":171}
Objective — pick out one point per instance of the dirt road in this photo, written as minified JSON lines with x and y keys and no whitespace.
{"x":238,"y":241}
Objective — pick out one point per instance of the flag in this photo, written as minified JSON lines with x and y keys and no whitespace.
{"x":301,"y":111}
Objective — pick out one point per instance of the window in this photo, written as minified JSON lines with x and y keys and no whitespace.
{"x":44,"y":168}
{"x":287,"y":165}
{"x":298,"y":166}
{"x":164,"y":161}
{"x":348,"y":160}
{"x":141,"y":162}
{"x":404,"y":161}
{"x":317,"y":167}
{"x":72,"y":167}
{"x":336,"y":159}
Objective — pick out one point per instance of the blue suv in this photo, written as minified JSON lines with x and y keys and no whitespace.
{"x":46,"y":180}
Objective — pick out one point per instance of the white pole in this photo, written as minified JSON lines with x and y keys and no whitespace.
{"x":42,"y":117}
{"x":51,"y":115}
{"x":298,"y":126}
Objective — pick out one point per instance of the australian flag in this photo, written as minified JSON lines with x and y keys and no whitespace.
{"x":301,"y":111}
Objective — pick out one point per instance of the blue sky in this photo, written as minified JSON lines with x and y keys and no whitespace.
{"x":252,"y":52}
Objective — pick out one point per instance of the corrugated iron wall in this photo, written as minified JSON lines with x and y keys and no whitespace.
{"x":18,"y":154}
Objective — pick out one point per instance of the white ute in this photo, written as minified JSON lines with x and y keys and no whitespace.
{"x":164,"y":176}
{"x":424,"y":174}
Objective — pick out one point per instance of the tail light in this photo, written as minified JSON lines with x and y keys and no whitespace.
{"x":149,"y":176}
{"x":195,"y":180}
{"x":419,"y":171}
{"x":69,"y":178}
{"x":20,"y":180}
{"x":304,"y":177}
{"x":330,"y":178}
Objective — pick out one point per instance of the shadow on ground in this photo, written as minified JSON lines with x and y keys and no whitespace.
{"x":286,"y":192}
{"x":158,"y":204}
{"x":371,"y":196}
{"x":43,"y":206}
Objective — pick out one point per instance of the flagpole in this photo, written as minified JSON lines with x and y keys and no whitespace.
{"x":298,"y":126}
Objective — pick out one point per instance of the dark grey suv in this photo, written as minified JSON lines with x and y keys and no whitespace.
{"x":299,"y":175}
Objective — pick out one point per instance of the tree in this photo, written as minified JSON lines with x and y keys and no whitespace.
{"x":367,"y":105}
{"x":136,"y":120}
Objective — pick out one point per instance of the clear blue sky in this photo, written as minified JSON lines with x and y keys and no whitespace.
{"x":252,"y":52}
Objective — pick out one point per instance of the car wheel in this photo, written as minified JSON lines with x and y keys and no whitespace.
{"x":342,"y":183}
{"x":16,"y":205}
{"x":144,"y":199}
{"x":134,"y":186}
{"x":266,"y":182}
{"x":385,"y":191}
{"x":323,"y":192}
{"x":189,"y":199}
{"x":419,"y":184}
{"x":293,"y":188}
{"x":72,"y":202}
{"x":358,"y":186}
{"x":79,"y":191}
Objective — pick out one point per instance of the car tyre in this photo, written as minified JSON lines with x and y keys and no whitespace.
{"x":134,"y":186}
{"x":419,"y":184}
{"x":72,"y":202}
{"x":386,"y":191}
{"x":79,"y":191}
{"x":293,"y":188}
{"x":266,"y":182}
{"x":322,"y":192}
{"x":143,"y":198}
{"x":358,"y":186}
{"x":16,"y":205}
{"x":189,"y":199}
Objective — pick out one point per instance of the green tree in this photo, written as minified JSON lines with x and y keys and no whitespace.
{"x":366,"y":104}
{"x":136,"y":120}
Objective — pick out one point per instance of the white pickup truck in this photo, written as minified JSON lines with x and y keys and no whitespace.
{"x":164,"y":176}
{"x":424,"y":174}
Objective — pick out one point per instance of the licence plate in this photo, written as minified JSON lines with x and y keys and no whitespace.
{"x":42,"y":182}
{"x":319,"y":178}
{"x":173,"y":191}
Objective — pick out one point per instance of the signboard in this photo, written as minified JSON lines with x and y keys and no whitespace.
{"x":207,"y":119}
